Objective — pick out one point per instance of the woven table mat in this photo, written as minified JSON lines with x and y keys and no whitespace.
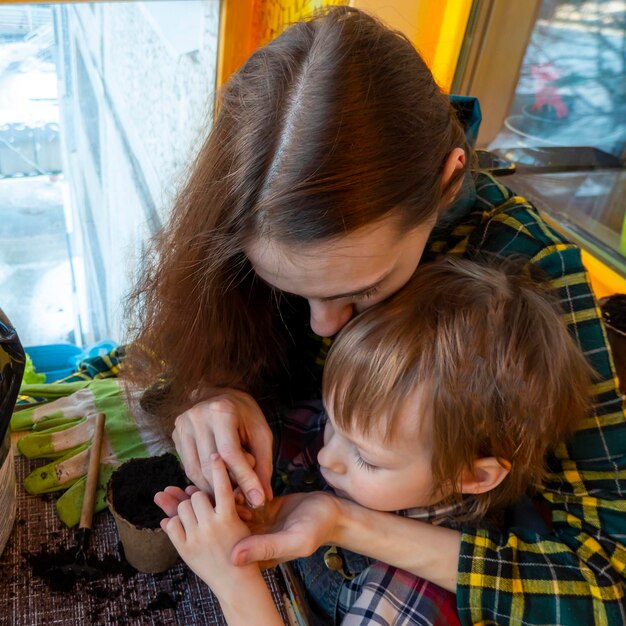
{"x":135,"y":600}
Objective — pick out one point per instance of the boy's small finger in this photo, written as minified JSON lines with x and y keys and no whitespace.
{"x":166,"y":502}
{"x":186,"y":513}
{"x":202,"y":505}
{"x":224,"y":499}
{"x":174,"y":529}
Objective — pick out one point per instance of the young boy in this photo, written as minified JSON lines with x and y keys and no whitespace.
{"x":440,"y":404}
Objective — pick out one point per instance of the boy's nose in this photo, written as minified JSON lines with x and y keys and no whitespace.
{"x":328,"y":318}
{"x":329,"y":459}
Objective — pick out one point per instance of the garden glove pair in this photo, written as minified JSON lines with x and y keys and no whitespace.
{"x":63,"y":430}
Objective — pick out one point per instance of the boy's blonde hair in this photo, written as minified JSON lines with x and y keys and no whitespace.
{"x":503,"y":376}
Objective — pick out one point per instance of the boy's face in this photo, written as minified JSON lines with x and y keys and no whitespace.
{"x":385,"y":477}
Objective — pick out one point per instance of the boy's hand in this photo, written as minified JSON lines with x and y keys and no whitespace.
{"x":170,"y":498}
{"x":204,"y":534}
{"x":294,"y":526}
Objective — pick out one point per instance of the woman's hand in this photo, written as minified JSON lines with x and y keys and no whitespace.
{"x":289,"y":527}
{"x":233,"y":425}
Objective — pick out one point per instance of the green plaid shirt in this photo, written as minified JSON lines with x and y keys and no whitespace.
{"x":575,"y":574}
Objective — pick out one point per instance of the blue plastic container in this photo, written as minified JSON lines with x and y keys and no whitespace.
{"x":58,"y":360}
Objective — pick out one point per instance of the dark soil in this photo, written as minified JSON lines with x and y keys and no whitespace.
{"x":135,"y":483}
{"x":614,"y":311}
{"x":51,"y":567}
{"x":164,"y":600}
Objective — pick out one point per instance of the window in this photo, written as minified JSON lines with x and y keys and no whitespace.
{"x":103,"y":106}
{"x":550,"y":76}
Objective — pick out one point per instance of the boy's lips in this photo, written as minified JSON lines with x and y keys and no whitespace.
{"x":324,"y":472}
{"x":339,"y":492}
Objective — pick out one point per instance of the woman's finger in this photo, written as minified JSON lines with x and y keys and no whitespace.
{"x":229,"y":448}
{"x":250,"y":459}
{"x":261,"y":443}
{"x":194,"y":443}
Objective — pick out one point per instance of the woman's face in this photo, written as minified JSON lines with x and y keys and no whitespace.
{"x":342,"y":276}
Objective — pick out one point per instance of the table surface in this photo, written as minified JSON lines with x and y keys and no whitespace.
{"x":125,"y":600}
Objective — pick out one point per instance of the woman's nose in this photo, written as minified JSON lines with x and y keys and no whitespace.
{"x":328,"y":318}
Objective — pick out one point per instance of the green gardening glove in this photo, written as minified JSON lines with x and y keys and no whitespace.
{"x":63,"y":430}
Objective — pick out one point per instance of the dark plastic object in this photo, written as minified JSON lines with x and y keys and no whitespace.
{"x":554,"y":159}
{"x":468,"y":111}
{"x":12,"y":362}
{"x":614,"y":314}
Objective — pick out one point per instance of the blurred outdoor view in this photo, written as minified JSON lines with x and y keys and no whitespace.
{"x":572,"y":85}
{"x":102,"y":106}
{"x":36,"y":289}
{"x":571,"y":95}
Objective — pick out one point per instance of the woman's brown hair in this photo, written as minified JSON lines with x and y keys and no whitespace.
{"x":501,"y":373}
{"x":335,"y":124}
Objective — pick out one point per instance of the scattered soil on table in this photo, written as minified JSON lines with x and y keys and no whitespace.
{"x":614,"y":311}
{"x":165,"y":600}
{"x":135,"y":483}
{"x":49,"y":566}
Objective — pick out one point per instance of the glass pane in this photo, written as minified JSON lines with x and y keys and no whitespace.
{"x":566,"y":127}
{"x":589,"y":206}
{"x":571,"y":89}
{"x":102,"y":107}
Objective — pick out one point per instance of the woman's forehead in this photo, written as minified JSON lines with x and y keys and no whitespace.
{"x":319,"y":270}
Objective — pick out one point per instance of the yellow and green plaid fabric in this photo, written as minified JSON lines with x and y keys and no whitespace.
{"x":575,"y":574}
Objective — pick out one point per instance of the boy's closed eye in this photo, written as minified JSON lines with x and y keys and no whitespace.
{"x":362,"y":463}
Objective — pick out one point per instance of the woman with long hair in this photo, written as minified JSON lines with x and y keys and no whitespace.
{"x":334,"y":168}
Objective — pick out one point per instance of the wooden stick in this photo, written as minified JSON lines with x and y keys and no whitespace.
{"x":93,"y":473}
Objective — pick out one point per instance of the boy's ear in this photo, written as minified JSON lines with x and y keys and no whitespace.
{"x":486,"y":474}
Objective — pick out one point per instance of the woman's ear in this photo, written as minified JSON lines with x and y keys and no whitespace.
{"x":486,"y":474}
{"x":454,"y":161}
